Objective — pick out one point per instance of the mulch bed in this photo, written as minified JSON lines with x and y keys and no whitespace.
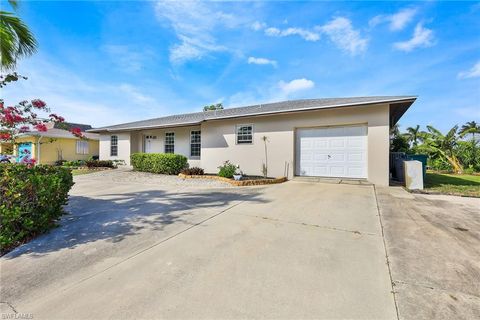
{"x":246,"y":180}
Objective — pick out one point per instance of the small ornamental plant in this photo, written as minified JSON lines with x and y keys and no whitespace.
{"x":228,"y":169}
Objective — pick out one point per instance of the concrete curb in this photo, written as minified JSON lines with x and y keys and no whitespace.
{"x":240,"y":183}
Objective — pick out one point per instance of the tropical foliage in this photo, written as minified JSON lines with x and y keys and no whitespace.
{"x":212,"y":107}
{"x":32,"y":200}
{"x":456,"y":150}
{"x":17,"y":40}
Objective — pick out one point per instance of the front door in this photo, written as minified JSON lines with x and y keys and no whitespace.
{"x":152,"y":144}
{"x":24,"y":152}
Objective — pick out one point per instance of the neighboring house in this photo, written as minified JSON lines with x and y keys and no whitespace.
{"x":57,"y":143}
{"x":337,"y":137}
{"x":6,"y":148}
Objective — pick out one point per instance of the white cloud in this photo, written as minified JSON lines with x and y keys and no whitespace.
{"x":81,"y":100}
{"x":468,"y":112}
{"x":194,"y":23}
{"x":261,"y":61}
{"x":303,"y":33}
{"x":295,"y":85}
{"x":473,"y":72}
{"x":127,"y":58}
{"x":258,"y":25}
{"x":422,"y":38}
{"x":135,"y":94}
{"x":344,"y":36}
{"x":396,"y":21}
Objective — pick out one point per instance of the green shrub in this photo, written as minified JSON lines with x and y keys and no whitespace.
{"x":164,"y":163}
{"x":100,"y":164}
{"x":31,"y":200}
{"x":60,"y":162}
{"x":227,"y":170}
{"x":194,"y":171}
{"x":74,"y":163}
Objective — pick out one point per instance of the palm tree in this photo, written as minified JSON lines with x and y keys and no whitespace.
{"x":469,"y":128}
{"x":443,"y":145}
{"x":17,"y":40}
{"x":413,"y":135}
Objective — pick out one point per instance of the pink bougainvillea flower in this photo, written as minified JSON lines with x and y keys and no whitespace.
{"x":56,"y":118}
{"x":77,"y":132}
{"x":39,"y":104}
{"x":24,"y":129}
{"x":41,"y":127}
{"x":5,"y":136}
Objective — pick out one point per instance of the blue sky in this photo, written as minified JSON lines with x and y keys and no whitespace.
{"x":108,"y":62}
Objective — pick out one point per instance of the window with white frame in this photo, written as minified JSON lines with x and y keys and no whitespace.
{"x":195,"y":143}
{"x":82,"y":147}
{"x":169,"y":142}
{"x":244,"y":133}
{"x":113,"y":146}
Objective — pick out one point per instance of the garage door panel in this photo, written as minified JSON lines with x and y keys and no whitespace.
{"x":356,"y":143}
{"x":337,"y":170}
{"x":337,"y":143}
{"x":320,"y":143}
{"x":332,"y":151}
{"x":320,"y":157}
{"x":320,"y":170}
{"x":356,"y":156}
{"x":336,"y":157}
{"x":356,"y":172}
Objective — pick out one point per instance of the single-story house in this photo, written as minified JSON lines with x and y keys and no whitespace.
{"x":6,"y":148}
{"x":57,"y":143}
{"x":335,"y":137}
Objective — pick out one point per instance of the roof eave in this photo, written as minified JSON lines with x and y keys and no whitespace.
{"x":406,"y":99}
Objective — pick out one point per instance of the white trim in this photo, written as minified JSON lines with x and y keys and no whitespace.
{"x":244,"y":125}
{"x":190,"y":144}
{"x":165,"y":142}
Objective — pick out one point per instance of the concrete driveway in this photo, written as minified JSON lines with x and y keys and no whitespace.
{"x":134,"y":248}
{"x":433,"y":245}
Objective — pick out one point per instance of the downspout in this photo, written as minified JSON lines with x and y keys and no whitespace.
{"x":38,"y":149}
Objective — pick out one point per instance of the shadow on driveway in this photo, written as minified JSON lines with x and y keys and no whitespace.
{"x":113,"y":217}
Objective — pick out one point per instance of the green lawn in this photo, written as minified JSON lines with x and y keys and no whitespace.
{"x":77,"y":172}
{"x":462,"y":185}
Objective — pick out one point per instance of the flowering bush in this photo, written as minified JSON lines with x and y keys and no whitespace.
{"x":31,"y":201}
{"x":18,"y":119}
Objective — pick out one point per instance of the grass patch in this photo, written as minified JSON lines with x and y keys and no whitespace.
{"x":77,"y":172}
{"x":455,"y":184}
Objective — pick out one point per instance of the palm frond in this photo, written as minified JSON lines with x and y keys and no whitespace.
{"x":17,"y":40}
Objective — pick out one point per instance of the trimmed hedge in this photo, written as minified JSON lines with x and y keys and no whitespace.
{"x":31,"y":200}
{"x":100,"y":164}
{"x":164,"y":163}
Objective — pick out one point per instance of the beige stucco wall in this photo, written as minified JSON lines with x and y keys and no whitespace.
{"x":218,"y":140}
{"x":219,"y":145}
{"x":132,"y":142}
{"x":123,"y":147}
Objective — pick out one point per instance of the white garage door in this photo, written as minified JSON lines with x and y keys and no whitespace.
{"x":332,"y":152}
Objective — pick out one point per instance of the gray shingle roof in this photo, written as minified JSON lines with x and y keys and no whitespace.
{"x":59,"y":133}
{"x":254,"y":110}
